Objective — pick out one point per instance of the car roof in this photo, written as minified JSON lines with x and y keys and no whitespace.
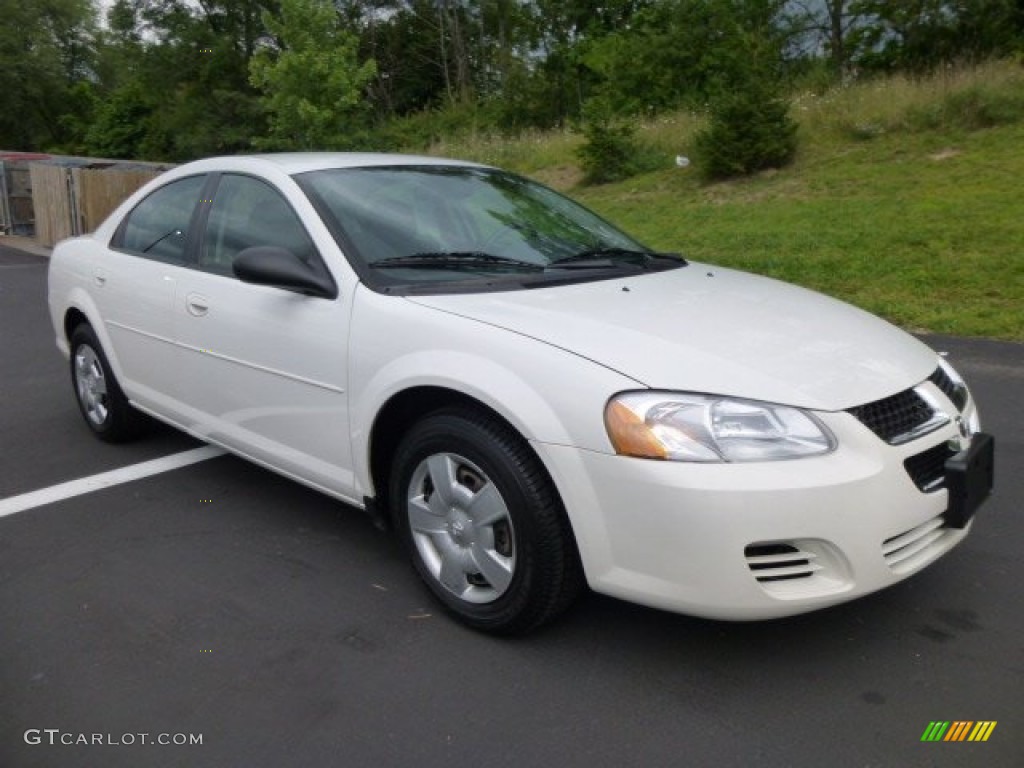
{"x":301,"y":162}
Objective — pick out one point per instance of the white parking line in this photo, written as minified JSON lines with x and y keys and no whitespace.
{"x":14,"y":504}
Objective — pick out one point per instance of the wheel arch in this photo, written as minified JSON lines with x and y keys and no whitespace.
{"x":402,"y":410}
{"x":73,"y":317}
{"x":399,"y":413}
{"x":79,"y":309}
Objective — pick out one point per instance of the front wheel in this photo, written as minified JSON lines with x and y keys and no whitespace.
{"x":483,"y":523}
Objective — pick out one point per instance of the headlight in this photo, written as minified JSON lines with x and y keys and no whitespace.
{"x":705,"y":428}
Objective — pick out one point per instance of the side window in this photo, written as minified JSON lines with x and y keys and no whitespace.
{"x":248,"y":212}
{"x":158,"y":226}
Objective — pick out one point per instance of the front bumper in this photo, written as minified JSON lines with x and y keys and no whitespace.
{"x":759,"y":540}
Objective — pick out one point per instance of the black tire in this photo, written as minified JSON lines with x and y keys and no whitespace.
{"x":104,"y":407}
{"x":491,"y":468}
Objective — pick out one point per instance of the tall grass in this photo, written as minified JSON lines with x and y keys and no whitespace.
{"x":965,"y":98}
{"x":528,"y":152}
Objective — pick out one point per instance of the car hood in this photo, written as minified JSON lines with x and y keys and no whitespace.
{"x":713,"y":330}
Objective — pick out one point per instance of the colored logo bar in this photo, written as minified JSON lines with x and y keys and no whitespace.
{"x":958,"y":730}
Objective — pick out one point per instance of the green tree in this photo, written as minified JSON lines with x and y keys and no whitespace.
{"x":750,"y":127}
{"x":121,"y":124}
{"x":750,"y":130}
{"x":46,"y":49}
{"x":610,"y":151}
{"x":830,"y":26}
{"x":681,"y":52}
{"x":173,"y":79}
{"x":919,"y":35}
{"x":404,"y":39}
{"x":566,"y":77}
{"x":312,"y":81}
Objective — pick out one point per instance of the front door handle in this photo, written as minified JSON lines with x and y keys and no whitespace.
{"x":197,"y":304}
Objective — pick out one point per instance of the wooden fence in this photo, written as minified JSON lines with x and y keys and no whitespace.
{"x":51,"y":200}
{"x":72,"y":201}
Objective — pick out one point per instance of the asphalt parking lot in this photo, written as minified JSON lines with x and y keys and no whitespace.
{"x":281,"y":627}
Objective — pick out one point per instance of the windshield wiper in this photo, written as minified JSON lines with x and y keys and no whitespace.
{"x":602,"y":258}
{"x":453,"y":260}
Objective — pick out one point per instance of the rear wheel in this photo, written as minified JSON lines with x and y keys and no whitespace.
{"x":106,"y":410}
{"x":483,"y":523}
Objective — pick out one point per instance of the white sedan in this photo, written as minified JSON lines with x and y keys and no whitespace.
{"x":535,"y":400}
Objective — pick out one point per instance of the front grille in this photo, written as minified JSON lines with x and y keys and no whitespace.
{"x":957,"y":393}
{"x":928,"y":469}
{"x":779,"y":562}
{"x":892,"y":418}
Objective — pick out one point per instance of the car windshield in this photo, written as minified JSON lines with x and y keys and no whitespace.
{"x":463,"y":227}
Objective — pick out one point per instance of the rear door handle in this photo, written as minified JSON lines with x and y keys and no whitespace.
{"x":197,"y":304}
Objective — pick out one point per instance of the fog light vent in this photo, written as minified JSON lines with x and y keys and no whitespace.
{"x":780,"y":562}
{"x":913,"y":548}
{"x":928,"y":468}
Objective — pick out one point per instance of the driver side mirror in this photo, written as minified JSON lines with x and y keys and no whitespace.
{"x":279,"y":267}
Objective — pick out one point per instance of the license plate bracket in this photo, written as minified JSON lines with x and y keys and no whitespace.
{"x":969,"y":479}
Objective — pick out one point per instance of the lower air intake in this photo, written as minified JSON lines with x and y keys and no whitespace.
{"x":912,"y":549}
{"x":798,"y":569}
{"x":780,"y":562}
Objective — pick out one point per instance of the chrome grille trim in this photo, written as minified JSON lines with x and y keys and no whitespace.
{"x":902,"y":417}
{"x":950,"y":385}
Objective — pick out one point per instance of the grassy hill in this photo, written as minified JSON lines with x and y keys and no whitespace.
{"x":907,"y":198}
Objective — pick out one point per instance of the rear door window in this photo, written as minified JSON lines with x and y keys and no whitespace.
{"x":158,"y":227}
